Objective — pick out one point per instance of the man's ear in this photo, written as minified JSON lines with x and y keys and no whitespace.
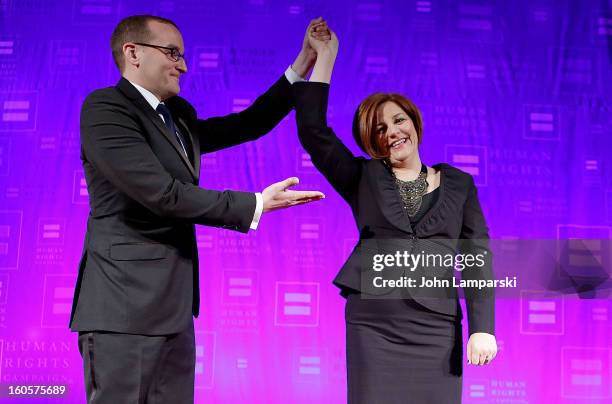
{"x":129,"y":54}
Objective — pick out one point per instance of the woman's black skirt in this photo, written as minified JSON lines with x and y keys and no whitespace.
{"x":401,"y":352}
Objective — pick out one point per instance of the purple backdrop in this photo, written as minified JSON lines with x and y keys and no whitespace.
{"x":516,"y":93}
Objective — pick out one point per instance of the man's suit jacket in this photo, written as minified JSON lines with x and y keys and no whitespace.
{"x":139,"y":269}
{"x":368,"y":186}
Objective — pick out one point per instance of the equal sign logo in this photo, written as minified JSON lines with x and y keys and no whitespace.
{"x":541,"y":122}
{"x":377,"y":65}
{"x":50,"y":231}
{"x":309,"y":231}
{"x":591,"y":165}
{"x":10,"y":238}
{"x":205,"y":359}
{"x":80,"y":196}
{"x":429,"y":59}
{"x":600,"y":314}
{"x":576,"y":231}
{"x":48,"y":143}
{"x":476,"y":71}
{"x":208,"y":60}
{"x":240,"y":104}
{"x":296,"y":9}
{"x":471,"y":159}
{"x":205,"y":242}
{"x":309,"y":365}
{"x":242,"y":363}
{"x":540,"y":15}
{"x":584,"y":257}
{"x":423,"y":6}
{"x":467,"y":162}
{"x":16,"y":111}
{"x":67,"y":56}
{"x":4,"y":281}
{"x":5,"y":146}
{"x":578,"y":70}
{"x":5,"y":237}
{"x":208,"y":162}
{"x":12,"y":192}
{"x":509,"y":244}
{"x":83,"y":187}
{"x":297,"y":304}
{"x":509,"y":249}
{"x":609,"y":205}
{"x":96,"y":7}
{"x":369,"y":11}
{"x":199,"y":366}
{"x":6,"y":47}
{"x":541,"y":313}
{"x":604,"y":26}
{"x":583,"y":253}
{"x":57,"y":300}
{"x":240,"y":287}
{"x":474,"y":17}
{"x":305,"y":160}
{"x":585,"y":372}
{"x":62,"y":300}
{"x":477,"y":391}
{"x":525,"y":206}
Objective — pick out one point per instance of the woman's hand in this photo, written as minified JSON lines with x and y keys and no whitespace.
{"x":307,"y":56}
{"x":481,"y":348}
{"x":326,"y":56}
{"x":319,"y":31}
{"x":323,"y":40}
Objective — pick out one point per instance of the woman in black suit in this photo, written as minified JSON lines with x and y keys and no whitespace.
{"x":404,"y":350}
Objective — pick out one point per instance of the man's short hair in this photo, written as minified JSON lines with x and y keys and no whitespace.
{"x":134,"y":28}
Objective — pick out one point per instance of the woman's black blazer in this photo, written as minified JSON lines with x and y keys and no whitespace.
{"x":368,"y":187}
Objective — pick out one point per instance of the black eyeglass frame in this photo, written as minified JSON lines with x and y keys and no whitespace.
{"x":173,"y":53}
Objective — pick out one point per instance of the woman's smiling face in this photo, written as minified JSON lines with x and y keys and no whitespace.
{"x":397,"y":129}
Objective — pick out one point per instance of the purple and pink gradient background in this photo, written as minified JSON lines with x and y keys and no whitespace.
{"x":517,"y":93}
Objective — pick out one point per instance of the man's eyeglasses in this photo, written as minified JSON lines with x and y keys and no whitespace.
{"x":172,"y":53}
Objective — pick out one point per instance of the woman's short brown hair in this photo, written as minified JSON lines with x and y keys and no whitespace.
{"x":365,"y":121}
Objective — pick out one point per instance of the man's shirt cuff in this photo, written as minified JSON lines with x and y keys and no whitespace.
{"x":292,"y":76}
{"x":258,"y":211}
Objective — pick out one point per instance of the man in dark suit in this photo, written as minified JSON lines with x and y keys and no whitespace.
{"x":137,"y":289}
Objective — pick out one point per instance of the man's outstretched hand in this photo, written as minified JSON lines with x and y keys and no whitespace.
{"x":278,"y":196}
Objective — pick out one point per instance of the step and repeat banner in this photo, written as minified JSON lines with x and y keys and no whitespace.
{"x":518,"y":94}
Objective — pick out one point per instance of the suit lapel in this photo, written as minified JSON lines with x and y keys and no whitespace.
{"x":386,"y":195}
{"x":195,"y":145}
{"x":133,"y":94}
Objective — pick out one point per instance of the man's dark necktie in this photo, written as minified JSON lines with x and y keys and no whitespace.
{"x":165,"y":112}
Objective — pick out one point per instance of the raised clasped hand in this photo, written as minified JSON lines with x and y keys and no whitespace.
{"x":322,"y":39}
